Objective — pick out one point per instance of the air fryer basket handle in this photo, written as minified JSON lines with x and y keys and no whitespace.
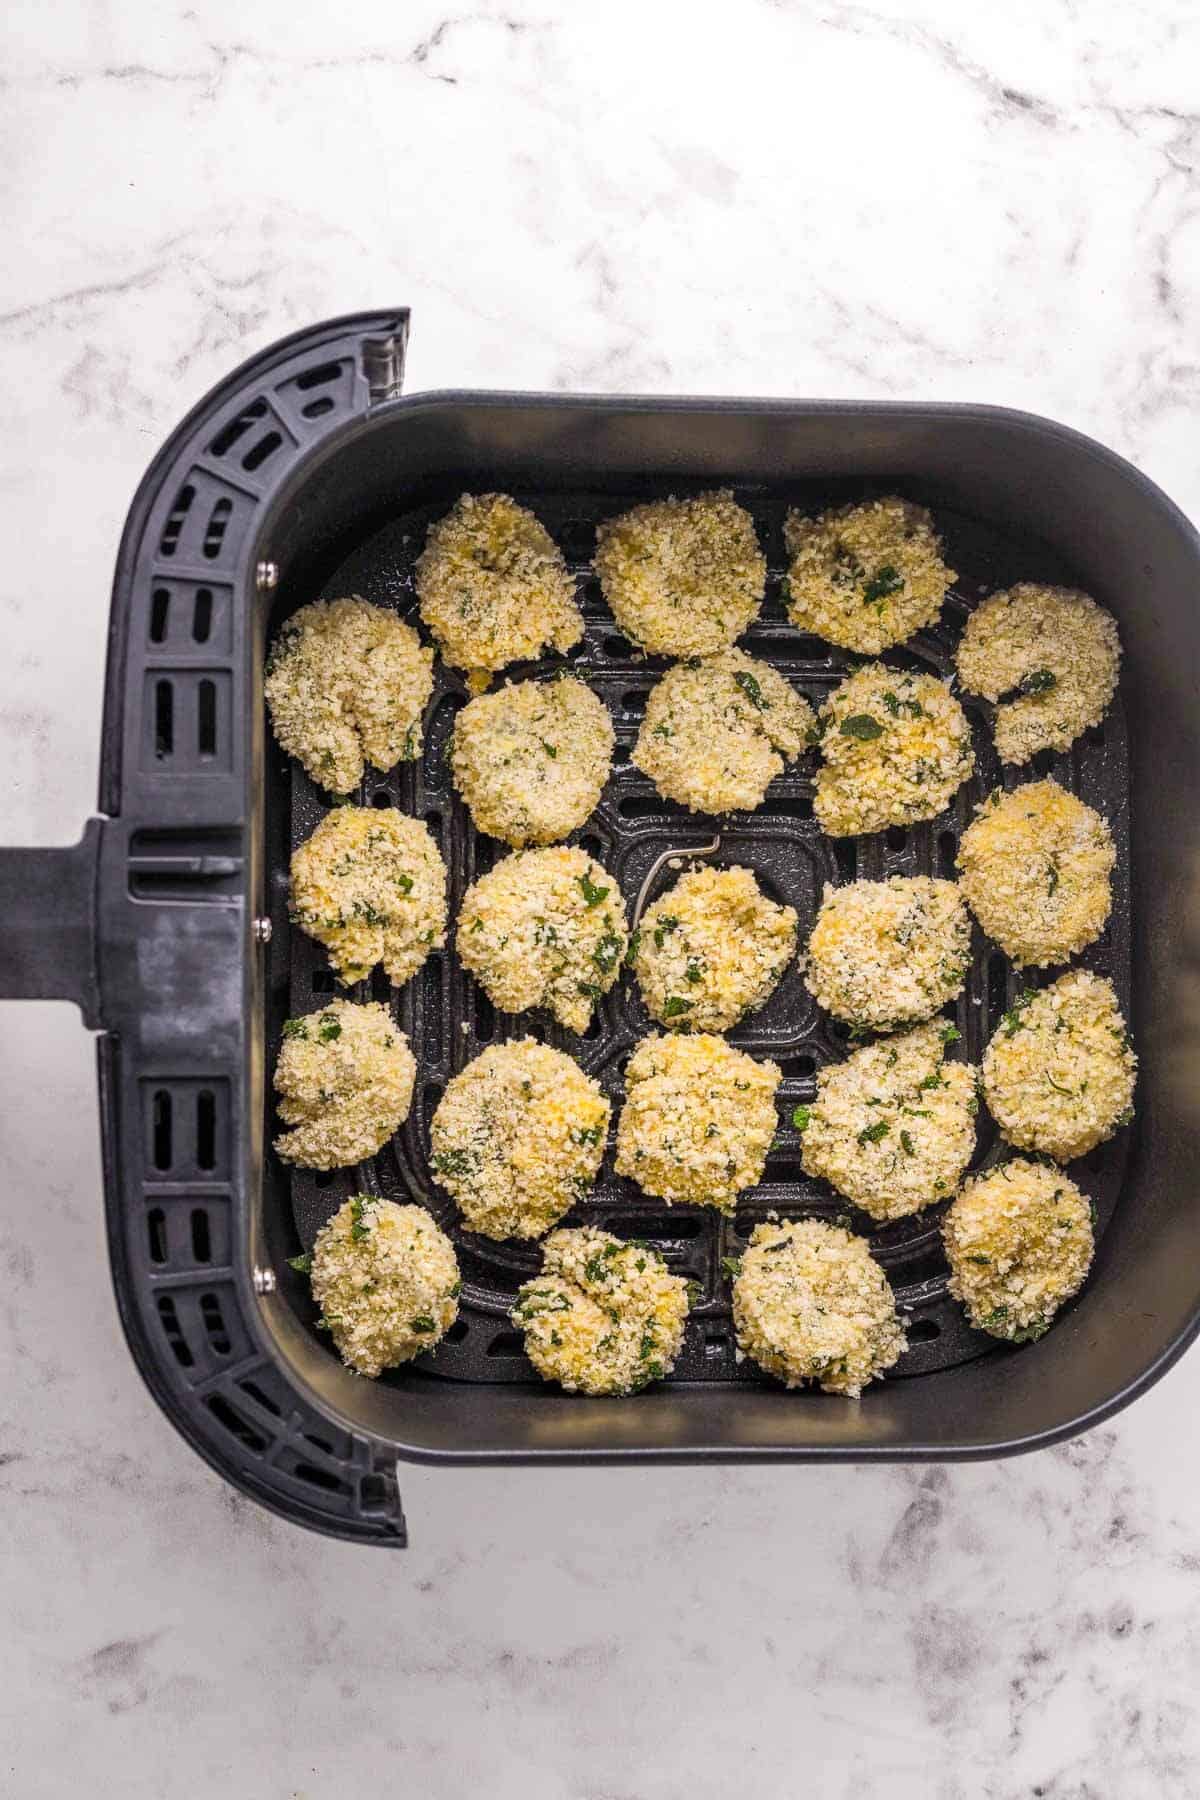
{"x":48,"y":924}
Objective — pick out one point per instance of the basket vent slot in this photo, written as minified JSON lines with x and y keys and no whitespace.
{"x":201,"y":1236}
{"x":947,"y":848}
{"x":187,"y":864}
{"x":156,"y":1234}
{"x":206,"y":718}
{"x":321,"y":1478}
{"x":234,"y":1422}
{"x":186,"y":1125}
{"x":218,"y":524}
{"x":506,"y":1343}
{"x":924,"y":1331}
{"x":160,"y":612}
{"x":320,"y":377}
{"x":202,"y":612}
{"x":214,"y":1324}
{"x":237,"y":428}
{"x":316,"y":409}
{"x":260,"y":1397}
{"x":323,"y":981}
{"x":173,"y":1331}
{"x":258,"y":453}
{"x":164,"y":718}
{"x":176,"y":519}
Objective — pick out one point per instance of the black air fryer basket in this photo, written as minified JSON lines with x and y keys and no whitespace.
{"x":306,"y":473}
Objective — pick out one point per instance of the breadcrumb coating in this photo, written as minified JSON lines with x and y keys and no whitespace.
{"x":718,"y":730}
{"x":711,"y":949}
{"x":345,"y":1083}
{"x":811,"y":1304}
{"x":698,"y":1120}
{"x":545,"y":928}
{"x":370,"y":885}
{"x":865,"y":576}
{"x":493,"y":587}
{"x":1035,"y":867}
{"x":517,"y":1138}
{"x":893,"y":1127}
{"x":531,"y":759}
{"x":895,"y":747}
{"x":887,"y":953}
{"x":1059,"y":1073}
{"x":1019,"y":1241}
{"x":605,"y":1316}
{"x":387,"y":1282}
{"x":1048,"y":657}
{"x":347,"y":683}
{"x":682,"y":577}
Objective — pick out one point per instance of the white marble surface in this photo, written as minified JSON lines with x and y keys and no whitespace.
{"x":921,"y":199}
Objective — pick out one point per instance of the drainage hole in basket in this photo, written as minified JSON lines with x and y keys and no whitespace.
{"x":202,"y":610}
{"x":381,"y":798}
{"x":214,"y":1324}
{"x":319,"y":1478}
{"x":174,"y":1331}
{"x":233,"y":1422}
{"x":253,"y":1392}
{"x":201,"y":1240}
{"x":160,"y":603}
{"x":457,"y":1332}
{"x":164,"y":719}
{"x":924,"y":1331}
{"x":156,"y":1233}
{"x":206,"y":1129}
{"x":947,"y":848}
{"x":507,"y":1343}
{"x":160,"y":1128}
{"x":897,"y":837}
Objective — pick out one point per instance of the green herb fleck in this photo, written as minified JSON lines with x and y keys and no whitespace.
{"x":752,"y":690}
{"x":950,"y":1034}
{"x":885,"y":581}
{"x":592,"y":894}
{"x":358,"y":1228}
{"x":906,"y":1144}
{"x":423,"y":1324}
{"x":550,"y":749}
{"x":665,"y":924}
{"x":1040,"y":681}
{"x":302,"y":1263}
{"x":1012,"y":1021}
{"x":635,"y":944}
{"x":861,"y":726}
{"x":872,"y":1134}
{"x":802,"y":1117}
{"x":295,"y":1028}
{"x":731,"y":1266}
{"x":673,"y":1006}
{"x":693,"y":973}
{"x":330,"y":1028}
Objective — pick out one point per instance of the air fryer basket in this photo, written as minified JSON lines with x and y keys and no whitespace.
{"x":306,"y":473}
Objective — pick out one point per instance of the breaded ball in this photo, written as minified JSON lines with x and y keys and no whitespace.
{"x":698,"y":1120}
{"x":711,"y":949}
{"x":896,"y":748}
{"x":531,"y":759}
{"x":517,"y":1138}
{"x":545,"y":928}
{"x":865,"y":576}
{"x":1058,"y":1075}
{"x":1035,"y":867}
{"x":347,"y":683}
{"x":387,"y":1282}
{"x":886,"y":953}
{"x":1049,"y":657}
{"x":682,"y":577}
{"x":1019,"y":1242}
{"x":893,"y":1127}
{"x":493,"y":587}
{"x":370,"y":885}
{"x":345,"y":1083}
{"x":718,"y":730}
{"x":811,"y":1304}
{"x":604,"y":1316}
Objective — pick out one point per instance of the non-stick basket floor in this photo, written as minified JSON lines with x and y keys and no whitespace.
{"x":449,"y":1020}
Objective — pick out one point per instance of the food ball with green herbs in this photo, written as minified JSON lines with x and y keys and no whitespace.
{"x":682,"y":577}
{"x":493,"y":587}
{"x":531,"y":759}
{"x":605,"y":1316}
{"x":1036,"y":867}
{"x":345,"y":1083}
{"x":1048,"y":658}
{"x":711,"y":949}
{"x":865,"y":576}
{"x":893,"y":1126}
{"x":811,"y":1304}
{"x":1059,"y":1073}
{"x":698,"y":1120}
{"x":387,"y":1282}
{"x":370,"y":885}
{"x":518,"y":1137}
{"x":718,"y":730}
{"x":346,"y":684}
{"x":545,"y":928}
{"x":887,"y":953}
{"x":1019,"y":1241}
{"x":895,"y":749}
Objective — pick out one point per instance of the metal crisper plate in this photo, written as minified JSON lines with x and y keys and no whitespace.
{"x":449,"y":1020}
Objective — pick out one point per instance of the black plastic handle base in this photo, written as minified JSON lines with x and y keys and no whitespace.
{"x":48,"y":908}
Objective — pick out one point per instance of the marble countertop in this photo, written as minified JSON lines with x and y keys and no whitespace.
{"x":915,"y":200}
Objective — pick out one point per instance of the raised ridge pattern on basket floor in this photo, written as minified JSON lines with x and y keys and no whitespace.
{"x":449,"y":1019}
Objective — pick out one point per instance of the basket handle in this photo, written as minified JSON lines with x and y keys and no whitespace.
{"x":48,"y":924}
